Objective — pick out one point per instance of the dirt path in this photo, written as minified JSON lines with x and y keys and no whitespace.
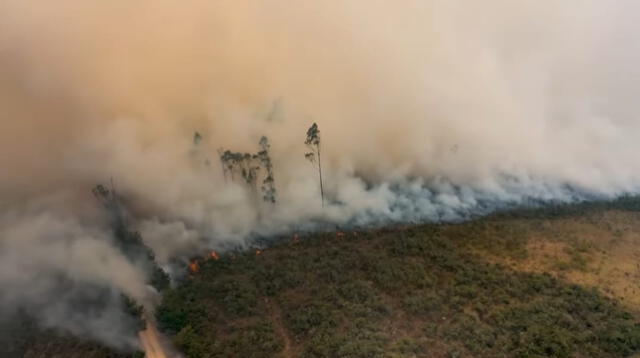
{"x":153,"y":343}
{"x":276,"y":318}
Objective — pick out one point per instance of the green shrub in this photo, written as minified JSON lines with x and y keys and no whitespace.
{"x":370,"y":295}
{"x":190,"y":342}
{"x":256,"y":341}
{"x":306,"y":319}
{"x":237,"y":295}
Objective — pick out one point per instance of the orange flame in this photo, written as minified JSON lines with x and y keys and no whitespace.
{"x":296,"y":239}
{"x":214,"y":255}
{"x":258,"y":252}
{"x":194,"y":266}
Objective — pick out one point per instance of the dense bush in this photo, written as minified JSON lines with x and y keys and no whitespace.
{"x":309,"y":318}
{"x":421,"y":291}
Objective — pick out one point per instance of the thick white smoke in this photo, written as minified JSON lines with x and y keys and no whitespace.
{"x":428,"y":110}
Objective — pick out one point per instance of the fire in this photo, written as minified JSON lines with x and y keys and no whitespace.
{"x":194,"y":266}
{"x":258,"y":252}
{"x":296,"y":239}
{"x":214,"y":255}
{"x":339,"y":234}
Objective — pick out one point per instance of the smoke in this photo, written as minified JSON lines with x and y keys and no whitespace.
{"x":428,"y":110}
{"x":66,"y":274}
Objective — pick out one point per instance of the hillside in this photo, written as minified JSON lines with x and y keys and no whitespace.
{"x":558,"y":282}
{"x":554,"y":282}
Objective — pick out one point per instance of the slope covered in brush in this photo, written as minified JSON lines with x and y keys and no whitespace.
{"x":558,"y":281}
{"x":426,"y":291}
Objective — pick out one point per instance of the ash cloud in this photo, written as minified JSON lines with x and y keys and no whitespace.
{"x":428,"y":110}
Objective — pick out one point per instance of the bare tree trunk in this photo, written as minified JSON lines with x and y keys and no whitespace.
{"x":320,"y":172}
{"x":222,"y":164}
{"x":256,"y":200}
{"x":224,"y":172}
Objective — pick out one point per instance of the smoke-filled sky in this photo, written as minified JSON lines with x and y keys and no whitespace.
{"x":428,"y":110}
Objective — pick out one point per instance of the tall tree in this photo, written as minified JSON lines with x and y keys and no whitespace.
{"x":248,"y":167}
{"x":197,"y":138}
{"x":268,"y":183}
{"x":197,"y":151}
{"x":313,"y":142}
{"x":244,"y":164}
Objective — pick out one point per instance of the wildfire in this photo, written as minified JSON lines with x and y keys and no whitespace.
{"x":296,"y":239}
{"x":214,"y":255}
{"x":194,"y":266}
{"x":258,"y":252}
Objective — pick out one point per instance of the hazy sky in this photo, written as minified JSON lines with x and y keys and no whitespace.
{"x":427,"y":109}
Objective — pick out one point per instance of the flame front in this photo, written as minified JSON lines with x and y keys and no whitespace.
{"x":194,"y":266}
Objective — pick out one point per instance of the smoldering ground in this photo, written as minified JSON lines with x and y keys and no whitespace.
{"x":428,"y":110}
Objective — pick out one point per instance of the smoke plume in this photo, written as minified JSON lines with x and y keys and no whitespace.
{"x":428,"y":110}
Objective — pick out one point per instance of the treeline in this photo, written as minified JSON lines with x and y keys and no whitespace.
{"x":247,"y":166}
{"x":253,"y":168}
{"x":22,"y":336}
{"x":560,"y":210}
{"x":128,"y":241}
{"x":131,"y":244}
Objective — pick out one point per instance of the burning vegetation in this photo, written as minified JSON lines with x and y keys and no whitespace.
{"x":473,"y":108}
{"x":425,"y":291}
